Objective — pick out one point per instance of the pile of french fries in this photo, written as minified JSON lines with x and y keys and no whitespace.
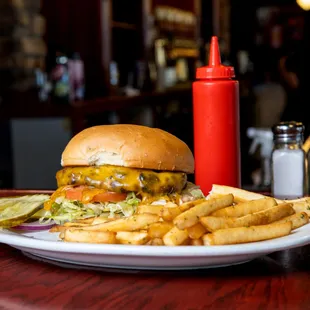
{"x":226,"y":216}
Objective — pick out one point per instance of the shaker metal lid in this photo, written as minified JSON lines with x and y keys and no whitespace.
{"x":288,"y":130}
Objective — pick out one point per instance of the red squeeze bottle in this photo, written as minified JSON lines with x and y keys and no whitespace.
{"x":216,"y":124}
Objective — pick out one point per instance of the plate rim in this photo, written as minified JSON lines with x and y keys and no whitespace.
{"x":301,"y":238}
{"x":75,"y":264}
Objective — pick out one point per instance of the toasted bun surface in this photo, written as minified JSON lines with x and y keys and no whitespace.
{"x":131,"y":146}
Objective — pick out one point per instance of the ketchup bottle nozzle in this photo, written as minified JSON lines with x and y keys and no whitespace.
{"x":215,"y":69}
{"x":214,"y":56}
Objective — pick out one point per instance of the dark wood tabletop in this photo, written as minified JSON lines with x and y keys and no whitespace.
{"x":277,"y":281}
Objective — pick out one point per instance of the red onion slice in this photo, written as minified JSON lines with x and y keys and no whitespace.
{"x":33,"y":226}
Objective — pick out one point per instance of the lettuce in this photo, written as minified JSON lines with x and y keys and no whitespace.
{"x":197,"y":193}
{"x":190,"y":193}
{"x":193,"y":190}
{"x":64,"y":210}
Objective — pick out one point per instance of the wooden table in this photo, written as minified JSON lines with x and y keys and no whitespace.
{"x":279,"y":281}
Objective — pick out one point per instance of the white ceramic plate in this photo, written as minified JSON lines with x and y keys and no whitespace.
{"x":46,"y":245}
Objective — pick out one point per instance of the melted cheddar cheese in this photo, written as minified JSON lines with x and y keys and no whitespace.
{"x":60,"y":192}
{"x":122,"y":179}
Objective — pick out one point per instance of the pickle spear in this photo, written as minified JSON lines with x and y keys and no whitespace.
{"x":39,"y":214}
{"x":16,"y":210}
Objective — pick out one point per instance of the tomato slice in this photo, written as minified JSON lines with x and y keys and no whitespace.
{"x":75,"y":193}
{"x":85,"y":194}
{"x":109,"y":196}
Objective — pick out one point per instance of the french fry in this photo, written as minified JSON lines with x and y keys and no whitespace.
{"x":86,"y":221}
{"x":101,"y":220}
{"x":240,"y":195}
{"x":80,"y":224}
{"x":158,"y":230}
{"x":298,"y":220}
{"x":75,"y":224}
{"x":155,"y":241}
{"x":191,"y":217}
{"x":169,"y":214}
{"x":153,"y":209}
{"x":132,"y":237}
{"x":79,"y":235}
{"x":58,"y":228}
{"x":175,"y":236}
{"x":302,"y":206}
{"x":196,"y":242}
{"x":188,"y":205}
{"x":213,"y":223}
{"x":196,"y":231}
{"x":132,"y":223}
{"x":216,"y":196}
{"x":187,"y":241}
{"x":96,"y":220}
{"x":170,"y":205}
{"x":247,"y":234}
{"x":246,"y":208}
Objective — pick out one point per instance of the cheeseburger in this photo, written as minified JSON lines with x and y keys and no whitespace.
{"x":111,"y":169}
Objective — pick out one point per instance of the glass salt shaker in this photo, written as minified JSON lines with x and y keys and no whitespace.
{"x":289,"y":180}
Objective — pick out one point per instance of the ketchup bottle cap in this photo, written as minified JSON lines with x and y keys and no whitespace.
{"x":215,"y":70}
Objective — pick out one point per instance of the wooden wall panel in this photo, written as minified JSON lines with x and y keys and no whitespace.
{"x":181,"y":4}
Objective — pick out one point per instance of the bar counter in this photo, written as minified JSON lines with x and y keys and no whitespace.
{"x":26,"y":105}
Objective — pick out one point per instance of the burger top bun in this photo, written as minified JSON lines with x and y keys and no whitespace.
{"x":131,"y":146}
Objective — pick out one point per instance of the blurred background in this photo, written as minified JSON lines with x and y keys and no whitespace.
{"x":69,"y":64}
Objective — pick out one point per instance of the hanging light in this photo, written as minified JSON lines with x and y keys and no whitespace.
{"x":304,"y":4}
